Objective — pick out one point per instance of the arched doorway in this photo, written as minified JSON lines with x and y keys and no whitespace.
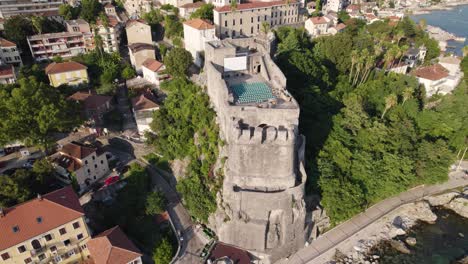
{"x":35,"y":244}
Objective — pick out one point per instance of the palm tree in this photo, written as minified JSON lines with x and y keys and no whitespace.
{"x":37,"y":23}
{"x":403,"y":50}
{"x":359,"y":64}
{"x":370,"y":61}
{"x":407,"y":94}
{"x":390,"y":101}
{"x":354,"y":56}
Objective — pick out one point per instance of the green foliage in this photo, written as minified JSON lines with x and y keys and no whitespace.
{"x":162,"y":50}
{"x":205,"y":11}
{"x":173,"y":27}
{"x":177,"y":62}
{"x":164,"y":252}
{"x":69,"y":12}
{"x":33,"y":112}
{"x":153,"y":17}
{"x":185,"y":127}
{"x":90,"y":10}
{"x":155,"y":203}
{"x":128,"y":72}
{"x":17,"y":29}
{"x":35,"y":71}
{"x":343,"y":16}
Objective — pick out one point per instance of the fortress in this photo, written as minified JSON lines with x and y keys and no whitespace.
{"x":262,"y":207}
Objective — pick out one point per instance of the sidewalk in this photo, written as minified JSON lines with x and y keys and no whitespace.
{"x":321,"y":249}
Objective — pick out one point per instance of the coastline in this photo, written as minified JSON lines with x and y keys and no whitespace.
{"x":441,"y":6}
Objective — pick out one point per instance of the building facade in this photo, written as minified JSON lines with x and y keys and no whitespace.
{"x":28,"y":7}
{"x":7,"y":74}
{"x":63,"y":44}
{"x":135,"y":8}
{"x":9,"y":53}
{"x":247,"y":19}
{"x":110,"y":33}
{"x":154,"y":71}
{"x":143,"y":107}
{"x":81,"y":26}
{"x":140,"y":52}
{"x":138,"y":31}
{"x":187,"y":10}
{"x":48,"y":229}
{"x":220,"y":3}
{"x":70,"y":73}
{"x":197,"y":32}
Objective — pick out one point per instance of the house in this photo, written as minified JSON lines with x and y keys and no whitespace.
{"x":9,"y":53}
{"x":136,"y":8}
{"x":139,"y":52}
{"x":197,"y":32}
{"x":187,"y":10}
{"x":371,"y":18}
{"x":318,"y":26}
{"x":247,"y":18}
{"x":310,"y":7}
{"x":138,"y":31}
{"x":109,"y":31}
{"x":86,"y":164}
{"x":110,"y":10}
{"x":452,"y":64}
{"x":333,"y":17}
{"x":224,"y":253}
{"x":93,"y":106}
{"x":415,"y":56}
{"x":7,"y":74}
{"x":70,"y":73}
{"x":143,"y":107}
{"x":334,"y":5}
{"x":30,"y":8}
{"x":436,"y":79}
{"x":48,"y":229}
{"x":113,"y":246}
{"x":153,"y":71}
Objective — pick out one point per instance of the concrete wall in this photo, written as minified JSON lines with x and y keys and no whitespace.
{"x":70,"y":78}
{"x":139,"y":33}
{"x":137,"y":58}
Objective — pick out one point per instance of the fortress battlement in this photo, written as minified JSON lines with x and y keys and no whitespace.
{"x":264,"y":135}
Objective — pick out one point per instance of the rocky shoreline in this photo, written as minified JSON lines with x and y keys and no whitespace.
{"x":398,"y":223}
{"x":442,"y":6}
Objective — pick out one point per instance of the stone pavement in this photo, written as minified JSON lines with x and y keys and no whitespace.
{"x":323,"y":248}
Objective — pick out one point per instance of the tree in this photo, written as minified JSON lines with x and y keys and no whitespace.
{"x":12,"y":192}
{"x":32,"y":112}
{"x":422,"y":23}
{"x":265,"y":27}
{"x":173,"y":27}
{"x":233,"y":5}
{"x":17,"y":29}
{"x":164,"y":252}
{"x":90,"y":10}
{"x":153,"y":17}
{"x":155,"y":203}
{"x":162,"y":50}
{"x":465,"y":51}
{"x":205,"y":11}
{"x":407,"y":94}
{"x":38,"y":23}
{"x":128,"y":72}
{"x":390,"y":101}
{"x":178,"y":61}
{"x":318,"y":6}
{"x":68,"y":12}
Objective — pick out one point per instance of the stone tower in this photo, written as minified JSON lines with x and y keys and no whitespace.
{"x":261,"y":208}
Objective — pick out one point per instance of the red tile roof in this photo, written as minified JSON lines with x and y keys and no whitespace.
{"x":60,"y":67}
{"x":6,"y":43}
{"x":237,"y":255}
{"x":340,"y":26}
{"x":253,"y":5}
{"x":56,"y":208}
{"x":6,"y":71}
{"x":199,"y":24}
{"x":113,"y":247}
{"x":319,"y":20}
{"x":144,"y":101}
{"x":353,"y":7}
{"x":152,"y":64}
{"x":434,"y":72}
{"x":69,"y":163}
{"x":90,"y":100}
{"x":113,"y":21}
{"x":193,"y":5}
{"x":77,"y":150}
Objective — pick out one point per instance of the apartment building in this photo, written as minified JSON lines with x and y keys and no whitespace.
{"x":197,"y":32}
{"x":9,"y":8}
{"x":110,"y":33}
{"x":246,"y":19}
{"x":48,"y":229}
{"x":9,"y":53}
{"x":70,"y":73}
{"x":86,"y":163}
{"x":63,"y":44}
{"x":80,"y":25}
{"x":176,"y":3}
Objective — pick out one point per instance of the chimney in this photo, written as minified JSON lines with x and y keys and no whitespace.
{"x":39,"y":197}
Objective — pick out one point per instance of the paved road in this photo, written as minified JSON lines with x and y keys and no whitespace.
{"x":320,"y":250}
{"x":124,"y":108}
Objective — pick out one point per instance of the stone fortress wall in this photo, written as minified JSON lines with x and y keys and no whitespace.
{"x":262,"y":203}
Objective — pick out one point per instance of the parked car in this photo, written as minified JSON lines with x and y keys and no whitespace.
{"x":111,"y":180}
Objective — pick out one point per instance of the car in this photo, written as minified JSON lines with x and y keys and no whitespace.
{"x":111,"y":180}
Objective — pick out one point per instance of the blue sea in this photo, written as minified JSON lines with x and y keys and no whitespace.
{"x":454,"y":21}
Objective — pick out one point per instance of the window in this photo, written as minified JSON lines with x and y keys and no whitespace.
{"x":48,"y":237}
{"x":5,"y":256}
{"x":225,"y":23}
{"x":83,"y":247}
{"x":42,"y":256}
{"x":21,"y":249}
{"x":76,"y":225}
{"x":251,"y":30}
{"x":95,"y":166}
{"x":17,"y":58}
{"x":233,"y":22}
{"x":258,"y":19}
{"x":86,"y":162}
{"x":66,"y":242}
{"x":265,"y":17}
{"x":251,"y":20}
{"x":53,"y":248}
{"x":79,"y":236}
{"x":89,"y":171}
{"x":102,"y":161}
{"x":241,"y":21}
{"x":62,"y":231}
{"x":28,"y":260}
{"x":94,"y":157}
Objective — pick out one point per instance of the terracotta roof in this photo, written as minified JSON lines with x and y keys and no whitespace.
{"x":77,"y":150}
{"x":450,"y":60}
{"x":90,"y":99}
{"x":370,"y":16}
{"x":135,"y":47}
{"x":6,"y":71}
{"x":6,"y":43}
{"x":193,"y":5}
{"x":55,"y":209}
{"x":144,"y":101}
{"x":253,"y":5}
{"x":353,"y":7}
{"x":113,"y":21}
{"x":69,"y":163}
{"x":60,"y":67}
{"x":199,"y":24}
{"x":237,"y":255}
{"x":152,"y":64}
{"x":434,"y":72}
{"x":340,"y":26}
{"x":113,"y":247}
{"x":319,"y":20}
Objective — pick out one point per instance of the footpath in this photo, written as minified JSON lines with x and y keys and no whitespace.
{"x":323,"y":248}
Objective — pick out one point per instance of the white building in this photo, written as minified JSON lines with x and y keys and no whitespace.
{"x":85,"y":163}
{"x":135,"y":8}
{"x":110,"y":33}
{"x":9,"y":53}
{"x":143,"y":107}
{"x":153,"y":71}
{"x":188,"y":9}
{"x":334,"y":6}
{"x":138,"y":31}
{"x":196,"y":33}
{"x":219,"y":3}
{"x":436,"y":79}
{"x":7,"y":74}
{"x":452,"y":64}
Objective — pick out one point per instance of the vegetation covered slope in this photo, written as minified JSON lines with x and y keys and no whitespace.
{"x":369,"y":134}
